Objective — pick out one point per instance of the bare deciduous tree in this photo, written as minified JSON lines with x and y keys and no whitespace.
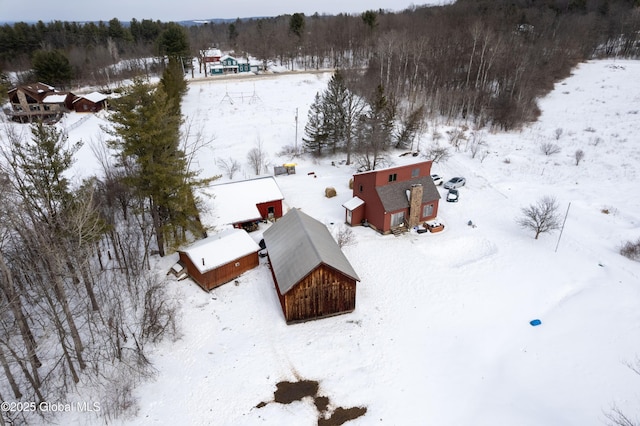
{"x":616,"y":416}
{"x":477,"y":142}
{"x":548,"y":148}
{"x":229,"y":167}
{"x":558,"y":133}
{"x":456,"y":137}
{"x":437,"y":153}
{"x":578,"y":155}
{"x":344,"y":236}
{"x":541,"y":217}
{"x":257,"y":157}
{"x":631,"y":250}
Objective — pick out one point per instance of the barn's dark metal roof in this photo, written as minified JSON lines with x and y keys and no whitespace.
{"x":298,"y":244}
{"x":394,"y":195}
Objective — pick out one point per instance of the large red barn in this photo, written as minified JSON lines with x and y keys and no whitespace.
{"x":313,"y":278}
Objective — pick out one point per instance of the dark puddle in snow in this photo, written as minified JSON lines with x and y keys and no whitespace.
{"x":288,"y":392}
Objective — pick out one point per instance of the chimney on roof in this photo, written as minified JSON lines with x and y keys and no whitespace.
{"x":415,"y":204}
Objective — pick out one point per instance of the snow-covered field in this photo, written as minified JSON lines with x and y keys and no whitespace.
{"x":441,"y":333}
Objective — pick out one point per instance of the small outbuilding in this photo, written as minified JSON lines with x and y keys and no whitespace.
{"x":312,"y":276}
{"x":242,"y":203}
{"x":220,"y":258}
{"x":91,"y":102}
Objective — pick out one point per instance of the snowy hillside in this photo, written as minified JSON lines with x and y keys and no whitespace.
{"x":441,"y":333}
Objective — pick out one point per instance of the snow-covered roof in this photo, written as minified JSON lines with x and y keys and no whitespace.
{"x":210,"y":53}
{"x":54,"y":99}
{"x":353,"y":203}
{"x":220,"y":249}
{"x":95,"y":97}
{"x":236,"y":202}
{"x":298,"y":244}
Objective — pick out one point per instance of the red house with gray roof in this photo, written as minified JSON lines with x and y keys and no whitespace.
{"x":393,"y":199}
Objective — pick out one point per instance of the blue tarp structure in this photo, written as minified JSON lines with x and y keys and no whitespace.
{"x":535,"y":322}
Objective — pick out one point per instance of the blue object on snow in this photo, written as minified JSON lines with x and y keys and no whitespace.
{"x":535,"y":322}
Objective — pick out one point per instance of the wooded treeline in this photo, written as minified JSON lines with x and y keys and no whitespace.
{"x":80,"y":299}
{"x":486,"y":61}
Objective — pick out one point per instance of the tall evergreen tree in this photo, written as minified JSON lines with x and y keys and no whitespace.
{"x":52,"y":67}
{"x":376,"y":129}
{"x":296,"y":24}
{"x":411,"y":126}
{"x":353,"y":107}
{"x":334,"y":99}
{"x":315,"y":130}
{"x":174,"y":42}
{"x":146,"y":131}
{"x":40,"y":165}
{"x":174,"y":84}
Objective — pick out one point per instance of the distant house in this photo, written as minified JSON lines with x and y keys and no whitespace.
{"x":312,"y":276}
{"x":257,"y":66}
{"x":393,"y":199}
{"x":37,"y":102}
{"x":243,"y":203}
{"x":220,"y":258}
{"x":227,"y":64}
{"x":41,"y":102}
{"x":211,"y":55}
{"x":92,"y":102}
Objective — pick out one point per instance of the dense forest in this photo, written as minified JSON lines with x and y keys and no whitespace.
{"x":487,"y":60}
{"x":78,"y":304}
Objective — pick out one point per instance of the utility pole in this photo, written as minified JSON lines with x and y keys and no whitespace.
{"x":295,"y":142}
{"x":562,"y":229}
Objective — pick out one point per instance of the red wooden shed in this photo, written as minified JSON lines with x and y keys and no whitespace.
{"x":220,"y":258}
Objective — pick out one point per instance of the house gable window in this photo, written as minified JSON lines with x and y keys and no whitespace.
{"x":361,"y":188}
{"x":427,"y":210}
{"x":415,"y":173}
{"x":393,"y":177}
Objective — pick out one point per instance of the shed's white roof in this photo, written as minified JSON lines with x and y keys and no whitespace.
{"x":220,"y":249}
{"x":235,"y":202}
{"x":353,"y":203}
{"x":95,"y":97}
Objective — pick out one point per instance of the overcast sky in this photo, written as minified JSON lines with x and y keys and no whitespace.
{"x":179,"y":10}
